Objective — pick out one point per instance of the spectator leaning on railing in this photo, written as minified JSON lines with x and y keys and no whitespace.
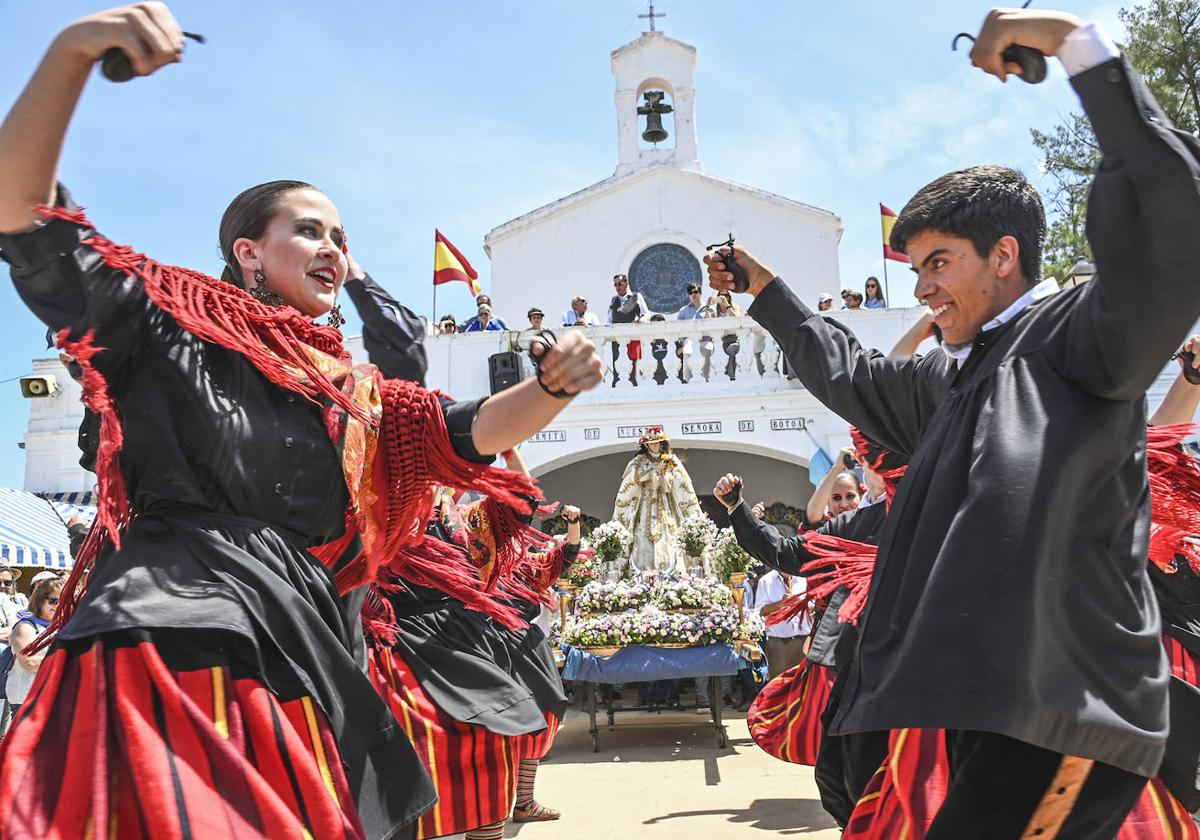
{"x":483,"y":321}
{"x":693,"y":307}
{"x":874,"y":298}
{"x":484,"y":300}
{"x":578,"y":315}
{"x":535,"y":317}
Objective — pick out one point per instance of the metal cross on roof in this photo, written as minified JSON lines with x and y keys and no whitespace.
{"x":652,"y":16}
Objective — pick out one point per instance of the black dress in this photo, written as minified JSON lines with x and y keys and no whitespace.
{"x":231,"y":478}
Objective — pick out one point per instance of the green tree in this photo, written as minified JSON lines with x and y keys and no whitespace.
{"x":1163,"y":43}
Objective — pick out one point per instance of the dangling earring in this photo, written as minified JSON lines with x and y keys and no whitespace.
{"x":335,"y":317}
{"x":262,"y":292}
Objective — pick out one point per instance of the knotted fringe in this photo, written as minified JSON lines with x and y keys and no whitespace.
{"x":518,"y":565}
{"x":399,"y":452}
{"x":112,"y":500}
{"x":840,"y":562}
{"x":1174,"y":477}
{"x":891,"y":477}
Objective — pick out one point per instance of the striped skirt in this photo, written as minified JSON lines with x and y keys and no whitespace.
{"x":1158,"y":815}
{"x":473,"y":769}
{"x":111,"y":742}
{"x":536,"y":746}
{"x":785,"y":718}
{"x":906,"y":791}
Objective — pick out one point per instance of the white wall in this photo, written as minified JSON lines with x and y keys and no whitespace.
{"x":576,"y":249}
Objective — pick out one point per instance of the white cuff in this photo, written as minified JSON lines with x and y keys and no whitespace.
{"x":1085,"y":48}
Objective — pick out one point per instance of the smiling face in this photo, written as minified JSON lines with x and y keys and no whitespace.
{"x":300,"y":252}
{"x":964,"y":290}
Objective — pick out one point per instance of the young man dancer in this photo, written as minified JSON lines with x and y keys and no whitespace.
{"x":1033,"y":639}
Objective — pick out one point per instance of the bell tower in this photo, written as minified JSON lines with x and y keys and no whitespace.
{"x":656,"y":102}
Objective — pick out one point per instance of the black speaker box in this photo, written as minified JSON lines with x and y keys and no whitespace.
{"x":504,"y":370}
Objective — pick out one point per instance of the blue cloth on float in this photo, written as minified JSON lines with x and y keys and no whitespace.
{"x":637,"y":663}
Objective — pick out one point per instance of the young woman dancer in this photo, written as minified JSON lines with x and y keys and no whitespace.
{"x":201,"y":680}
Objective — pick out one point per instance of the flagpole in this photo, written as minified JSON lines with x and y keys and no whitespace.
{"x":887,"y":292}
{"x":433,"y":320}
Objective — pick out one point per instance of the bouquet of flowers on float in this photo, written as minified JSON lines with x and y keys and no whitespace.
{"x":613,"y":597}
{"x":586,"y":569}
{"x":727,"y":556}
{"x":611,"y":541}
{"x":695,"y":534}
{"x":752,"y":628}
{"x":688,"y":592}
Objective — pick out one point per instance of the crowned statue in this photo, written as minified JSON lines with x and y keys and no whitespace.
{"x":656,"y":495}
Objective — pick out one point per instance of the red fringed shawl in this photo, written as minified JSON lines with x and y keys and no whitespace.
{"x":891,"y":477}
{"x":839,"y":562}
{"x":390,"y":434}
{"x":1174,"y":477}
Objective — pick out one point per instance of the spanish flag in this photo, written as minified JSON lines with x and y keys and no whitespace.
{"x":449,"y":264}
{"x":888,"y":217}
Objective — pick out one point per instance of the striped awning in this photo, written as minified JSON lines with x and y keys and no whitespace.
{"x":31,"y":531}
{"x":71,"y":505}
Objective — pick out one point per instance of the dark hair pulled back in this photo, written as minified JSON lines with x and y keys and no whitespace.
{"x":247,"y":217}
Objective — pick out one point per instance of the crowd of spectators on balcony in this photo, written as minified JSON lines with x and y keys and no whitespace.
{"x":628,"y":306}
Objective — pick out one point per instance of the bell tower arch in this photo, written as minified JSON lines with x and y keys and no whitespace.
{"x":656,"y":103}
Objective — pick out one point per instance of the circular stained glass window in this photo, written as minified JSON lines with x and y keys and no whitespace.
{"x":661,"y":273}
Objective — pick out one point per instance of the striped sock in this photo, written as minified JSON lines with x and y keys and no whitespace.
{"x":528,"y":772}
{"x":495,"y":831}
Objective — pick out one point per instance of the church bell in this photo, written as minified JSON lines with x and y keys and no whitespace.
{"x":653,"y":111}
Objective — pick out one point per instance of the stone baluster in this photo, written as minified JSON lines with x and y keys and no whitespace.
{"x":772,"y":357}
{"x":618,"y":351}
{"x":746,"y":362}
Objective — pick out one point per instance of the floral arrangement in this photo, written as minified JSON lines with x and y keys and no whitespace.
{"x":586,"y":568}
{"x":611,"y":541}
{"x":752,"y":628}
{"x":653,"y":626}
{"x":690,"y":593}
{"x":613,"y":597}
{"x":681,"y":593}
{"x":695,"y":534}
{"x":728,"y":556}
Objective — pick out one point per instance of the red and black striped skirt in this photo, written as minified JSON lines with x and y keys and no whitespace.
{"x":785,"y":718}
{"x":113,"y":743}
{"x":539,"y":743}
{"x":1158,"y":815}
{"x":906,"y":791}
{"x":473,"y":769}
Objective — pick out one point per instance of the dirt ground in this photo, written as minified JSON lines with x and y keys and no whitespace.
{"x":665,"y":781}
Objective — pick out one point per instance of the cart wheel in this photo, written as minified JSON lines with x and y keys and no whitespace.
{"x":595,"y":742}
{"x":722,"y":740}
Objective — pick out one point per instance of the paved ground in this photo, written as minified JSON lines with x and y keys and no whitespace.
{"x":669,"y":782}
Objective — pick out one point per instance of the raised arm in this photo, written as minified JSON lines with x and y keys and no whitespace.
{"x":393,"y":336}
{"x":889,"y":399}
{"x":31,"y":136}
{"x":1143,"y":215}
{"x":1183,"y":398}
{"x":760,"y":540}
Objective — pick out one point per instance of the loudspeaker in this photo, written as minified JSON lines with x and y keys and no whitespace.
{"x":33,"y":387}
{"x":504,"y":370}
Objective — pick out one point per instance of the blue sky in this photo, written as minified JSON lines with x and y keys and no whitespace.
{"x":463,"y":115}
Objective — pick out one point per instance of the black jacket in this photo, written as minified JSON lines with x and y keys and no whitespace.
{"x":393,"y":335}
{"x":832,"y":641}
{"x":1011,"y":592}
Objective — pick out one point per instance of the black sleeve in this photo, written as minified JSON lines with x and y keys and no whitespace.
{"x":764,"y":543}
{"x":393,"y":335}
{"x":67,"y":285}
{"x":1143,"y":219}
{"x":459,"y":417}
{"x":889,"y":399}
